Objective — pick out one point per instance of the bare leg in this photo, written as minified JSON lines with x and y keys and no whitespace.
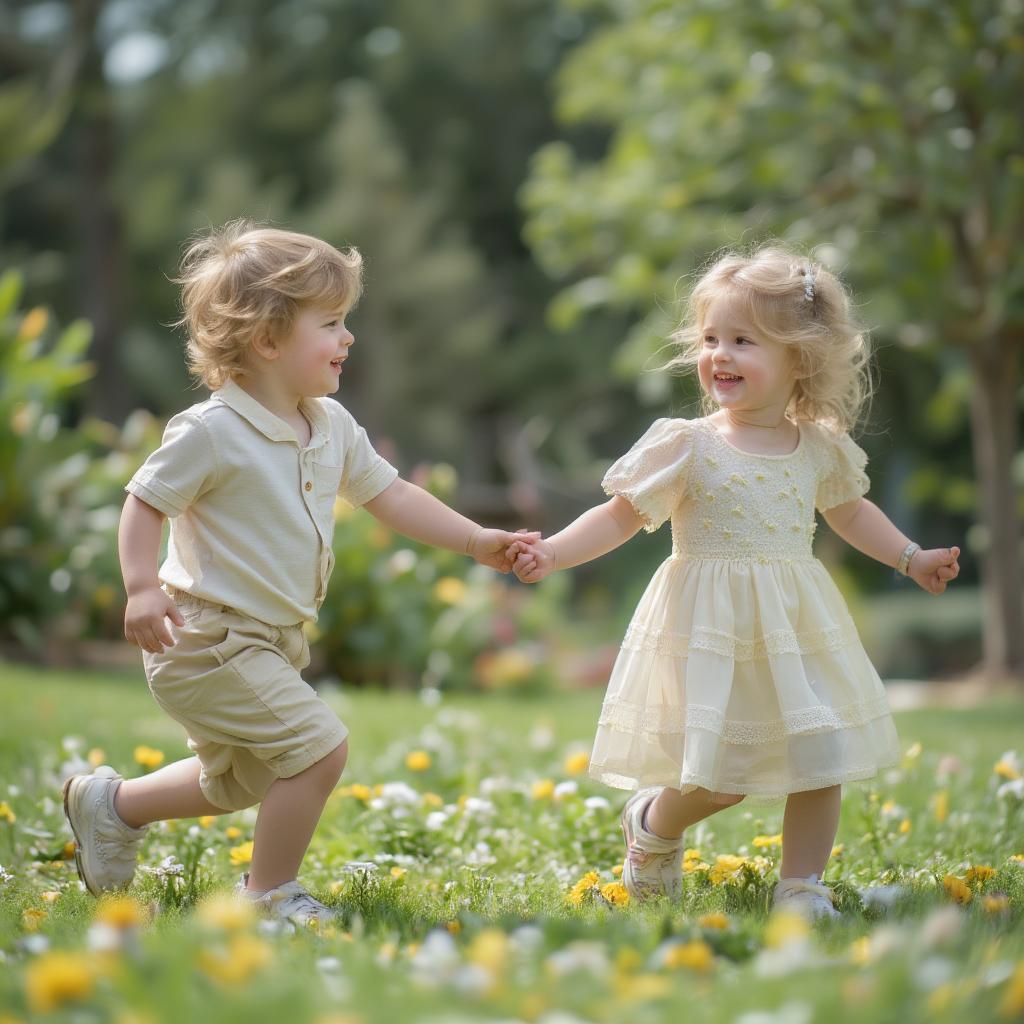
{"x":671,"y":812}
{"x":809,"y":831}
{"x":171,"y":792}
{"x":288,"y":815}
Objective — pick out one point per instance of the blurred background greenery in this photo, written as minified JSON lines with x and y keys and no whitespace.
{"x":532,"y":184}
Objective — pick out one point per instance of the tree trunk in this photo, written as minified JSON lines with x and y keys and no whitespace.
{"x":994,"y":420}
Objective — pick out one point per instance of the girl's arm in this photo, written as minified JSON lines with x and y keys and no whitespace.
{"x":599,"y":530}
{"x":863,"y":525}
{"x":138,"y":545}
{"x":416,"y":513}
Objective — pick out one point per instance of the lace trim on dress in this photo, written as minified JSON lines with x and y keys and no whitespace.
{"x":669,"y":644}
{"x":662,"y":719}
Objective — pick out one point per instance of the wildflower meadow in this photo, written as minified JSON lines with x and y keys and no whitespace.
{"x":477,"y":867}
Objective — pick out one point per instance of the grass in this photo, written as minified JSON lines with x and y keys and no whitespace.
{"x":466,"y":915}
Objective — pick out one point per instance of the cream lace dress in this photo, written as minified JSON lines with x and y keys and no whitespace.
{"x":741,"y":670}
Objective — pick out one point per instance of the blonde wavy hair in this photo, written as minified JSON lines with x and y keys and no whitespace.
{"x":246,"y":280}
{"x":796,"y":302}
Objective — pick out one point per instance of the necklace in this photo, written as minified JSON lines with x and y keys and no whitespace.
{"x":764,"y":426}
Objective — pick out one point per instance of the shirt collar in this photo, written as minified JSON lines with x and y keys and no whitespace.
{"x":270,"y":425}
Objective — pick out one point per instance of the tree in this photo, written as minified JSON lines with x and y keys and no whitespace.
{"x":890,"y":130}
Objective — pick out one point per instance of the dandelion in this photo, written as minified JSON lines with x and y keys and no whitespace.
{"x":454,"y":927}
{"x":765,"y":842}
{"x":583,"y":889}
{"x":50,"y":896}
{"x":957,"y":890}
{"x":784,"y":928}
{"x":577,"y":764}
{"x":489,"y":949}
{"x":940,"y":805}
{"x":96,"y":757}
{"x":57,"y":978}
{"x":206,"y":820}
{"x":979,"y":873}
{"x":417,"y":761}
{"x":838,"y":850}
{"x":241,"y":854}
{"x":225,"y":913}
{"x":233,"y":832}
{"x":727,"y":866}
{"x":694,"y":956}
{"x":32,"y":918}
{"x":450,"y":590}
{"x":1008,"y":766}
{"x":716,"y":921}
{"x":120,"y":912}
{"x":6,"y":814}
{"x":237,"y":961}
{"x":996,"y":904}
{"x":543,"y":789}
{"x":397,"y":872}
{"x":904,"y":826}
{"x":615,"y":894}
{"x":148,"y":757}
{"x":356,"y":790}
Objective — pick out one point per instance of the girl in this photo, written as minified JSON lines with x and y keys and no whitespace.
{"x":249,"y":480}
{"x":741,"y":672}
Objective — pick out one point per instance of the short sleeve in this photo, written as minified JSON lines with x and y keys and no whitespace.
{"x":843,"y":478}
{"x":181,"y":470}
{"x":652,"y":475}
{"x":364,"y":472}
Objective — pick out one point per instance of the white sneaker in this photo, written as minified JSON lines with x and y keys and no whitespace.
{"x":288,"y":902}
{"x":105,"y":847}
{"x":653,"y":865}
{"x":807,"y":897}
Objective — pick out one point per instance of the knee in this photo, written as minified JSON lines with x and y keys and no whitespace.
{"x":330,"y":766}
{"x":723,"y":799}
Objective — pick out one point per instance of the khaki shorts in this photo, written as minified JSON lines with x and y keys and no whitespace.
{"x":233,"y":682}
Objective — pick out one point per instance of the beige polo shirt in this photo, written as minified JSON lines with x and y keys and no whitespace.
{"x":252,"y":513}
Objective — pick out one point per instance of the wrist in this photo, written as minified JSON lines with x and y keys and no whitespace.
{"x":906,"y":557}
{"x":471,"y":539}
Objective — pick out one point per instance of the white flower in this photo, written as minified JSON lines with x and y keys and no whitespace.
{"x":402,"y":561}
{"x":5,"y":876}
{"x":591,"y":957}
{"x":103,"y":938}
{"x":882,"y":897}
{"x":475,"y":807}
{"x":567,"y":788}
{"x":436,"y":958}
{"x":435,"y":821}
{"x":941,"y":927}
{"x":1013,"y":789}
{"x":932,"y":972}
{"x":790,"y":1013}
{"x":597,"y":803}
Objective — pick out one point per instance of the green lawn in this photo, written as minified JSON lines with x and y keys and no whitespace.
{"x":466,"y":916}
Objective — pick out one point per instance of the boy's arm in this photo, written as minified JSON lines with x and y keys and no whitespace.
{"x":864,"y":526}
{"x":416,"y":513}
{"x":138,"y":545}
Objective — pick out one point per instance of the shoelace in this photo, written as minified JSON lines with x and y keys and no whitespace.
{"x":799,"y":886}
{"x":303,"y":901}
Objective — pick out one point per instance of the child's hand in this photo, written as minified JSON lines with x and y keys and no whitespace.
{"x":144,"y":619}
{"x":933,"y":569}
{"x":494,"y":548}
{"x":535,"y":560}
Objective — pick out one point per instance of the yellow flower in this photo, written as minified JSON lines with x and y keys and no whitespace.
{"x":121,"y":912}
{"x":641,"y":988}
{"x":397,"y":872}
{"x":417,"y":761}
{"x":357,"y":790}
{"x":957,"y":890}
{"x":576,"y":764}
{"x":148,"y":757}
{"x":1006,"y":770}
{"x":617,"y":871}
{"x":1017,"y":857}
{"x":223,"y":911}
{"x":615,"y":893}
{"x":940,"y":805}
{"x":726,"y":866}
{"x":68,"y":852}
{"x":33,"y":324}
{"x":236,"y":962}
{"x":50,"y":896}
{"x":718,"y":921}
{"x":697,"y":956}
{"x":997,"y":903}
{"x":766,"y":841}
{"x":6,"y":813}
{"x":454,"y":927}
{"x":583,"y":889}
{"x":242,"y":853}
{"x":785,"y":927}
{"x":1012,"y":1003}
{"x":979,"y":873}
{"x":543,"y":789}
{"x":96,"y":756}
{"x":837,"y":850}
{"x":450,"y":590}
{"x":57,"y":978}
{"x":860,"y":951}
{"x":207,"y":820}
{"x":233,"y":832}
{"x":489,"y":949}
{"x":904,"y":826}
{"x":32,"y":918}
{"x":433,"y":800}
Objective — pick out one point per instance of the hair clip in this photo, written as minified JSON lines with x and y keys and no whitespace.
{"x":808,"y":284}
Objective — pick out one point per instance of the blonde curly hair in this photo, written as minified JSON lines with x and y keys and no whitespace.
{"x":796,"y":302}
{"x":246,"y":280}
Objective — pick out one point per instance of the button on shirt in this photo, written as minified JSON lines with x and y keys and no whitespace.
{"x":252,"y":512}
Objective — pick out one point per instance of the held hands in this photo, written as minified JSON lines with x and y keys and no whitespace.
{"x":534,"y":558}
{"x":496,"y":548}
{"x":144,"y":619}
{"x":933,"y":569}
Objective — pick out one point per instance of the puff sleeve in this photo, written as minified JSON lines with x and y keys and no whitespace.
{"x":653,"y":475}
{"x":182,"y":469}
{"x":842,"y":477}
